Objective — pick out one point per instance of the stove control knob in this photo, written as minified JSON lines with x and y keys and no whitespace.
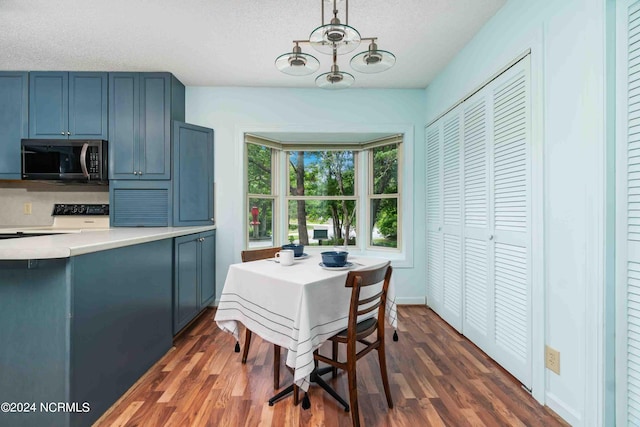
{"x":82,"y":209}
{"x":75,"y":209}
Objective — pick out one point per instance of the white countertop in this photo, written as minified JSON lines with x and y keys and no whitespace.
{"x":87,"y":241}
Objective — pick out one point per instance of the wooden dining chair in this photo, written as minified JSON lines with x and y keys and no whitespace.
{"x":356,"y":332}
{"x":255,"y":255}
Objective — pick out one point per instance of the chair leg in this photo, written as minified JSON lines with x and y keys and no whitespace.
{"x":382,"y":358}
{"x":334,"y":357}
{"x":247,"y":343}
{"x":353,"y":391}
{"x":276,"y":367}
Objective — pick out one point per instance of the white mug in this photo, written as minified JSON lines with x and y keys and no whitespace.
{"x":285,"y":257}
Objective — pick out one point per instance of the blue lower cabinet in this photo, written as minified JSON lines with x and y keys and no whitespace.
{"x":194,"y":277}
{"x":82,"y":330}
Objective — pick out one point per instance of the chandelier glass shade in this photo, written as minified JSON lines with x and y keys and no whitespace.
{"x":335,"y":79}
{"x":297,"y":63}
{"x":343,"y":38}
{"x":335,"y":38}
{"x":373,"y":60}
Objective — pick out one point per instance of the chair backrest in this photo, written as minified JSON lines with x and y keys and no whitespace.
{"x":257,"y":254}
{"x":363,"y":305}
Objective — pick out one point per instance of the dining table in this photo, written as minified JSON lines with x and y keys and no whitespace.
{"x":297,"y":307}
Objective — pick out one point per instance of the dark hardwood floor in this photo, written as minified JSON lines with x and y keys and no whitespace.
{"x":438,"y":378}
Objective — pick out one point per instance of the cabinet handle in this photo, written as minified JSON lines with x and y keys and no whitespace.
{"x":439,"y":228}
{"x":211,"y":219}
{"x":62,"y":133}
{"x":491,"y":237}
{"x":68,"y":133}
{"x":135,"y":173}
{"x":139,"y":172}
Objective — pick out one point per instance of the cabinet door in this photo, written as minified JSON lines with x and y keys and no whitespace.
{"x":13,"y":121}
{"x":88,"y":105}
{"x":207,"y":268}
{"x":124,"y":103}
{"x":193,"y":175}
{"x":185,"y":287}
{"x":48,"y":105}
{"x":155,"y":126}
{"x":135,"y":203}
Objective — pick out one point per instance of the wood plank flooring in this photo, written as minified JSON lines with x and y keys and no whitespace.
{"x":437,"y":378}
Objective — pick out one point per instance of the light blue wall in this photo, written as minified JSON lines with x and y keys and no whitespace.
{"x":567,"y":39}
{"x":232,"y":111}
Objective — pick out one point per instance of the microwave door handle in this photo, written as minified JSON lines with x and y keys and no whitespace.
{"x":83,"y":160}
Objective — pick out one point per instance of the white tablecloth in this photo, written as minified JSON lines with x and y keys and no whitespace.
{"x":296,"y":307}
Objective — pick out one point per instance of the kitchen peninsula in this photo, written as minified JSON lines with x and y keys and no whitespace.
{"x":84,"y":315}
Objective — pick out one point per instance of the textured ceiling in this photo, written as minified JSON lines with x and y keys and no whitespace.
{"x":230,"y":42}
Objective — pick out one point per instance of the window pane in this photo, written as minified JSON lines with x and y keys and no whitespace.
{"x":321,"y":173}
{"x":260,"y":218}
{"x":258,"y":169}
{"x":385,"y":169}
{"x":311,"y":220}
{"x":384,"y":222}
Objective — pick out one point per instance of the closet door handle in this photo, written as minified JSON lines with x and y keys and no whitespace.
{"x":491,"y":237}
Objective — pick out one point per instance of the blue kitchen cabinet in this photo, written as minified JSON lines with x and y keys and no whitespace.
{"x":82,"y":330}
{"x":68,"y":105}
{"x":141,"y":107}
{"x":207,"y":268}
{"x":194,"y":277}
{"x":140,"y":203}
{"x":14,"y":92}
{"x":193,"y":175}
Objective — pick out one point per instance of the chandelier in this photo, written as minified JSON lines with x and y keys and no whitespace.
{"x":335,"y":38}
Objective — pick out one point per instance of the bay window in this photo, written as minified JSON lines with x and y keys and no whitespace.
{"x":328,"y":194}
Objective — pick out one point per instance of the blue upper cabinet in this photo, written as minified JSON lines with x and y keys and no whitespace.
{"x":141,"y":107}
{"x":14,"y":88}
{"x":88,"y":106}
{"x":65,"y":105}
{"x":193,"y":175}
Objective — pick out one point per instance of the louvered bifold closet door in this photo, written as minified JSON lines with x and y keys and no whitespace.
{"x":479,"y":219}
{"x":476,"y":322}
{"x":511,"y":237}
{"x":452,"y":216}
{"x":628,"y":339}
{"x":435,"y":287}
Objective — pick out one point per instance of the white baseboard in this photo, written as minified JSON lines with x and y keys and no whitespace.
{"x":411,"y":301}
{"x":562,"y":409}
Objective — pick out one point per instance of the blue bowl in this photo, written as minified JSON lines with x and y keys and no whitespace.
{"x":334,"y":259}
{"x":297,"y":249}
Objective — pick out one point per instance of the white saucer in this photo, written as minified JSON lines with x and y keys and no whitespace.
{"x":303,"y":256}
{"x":347,"y":266}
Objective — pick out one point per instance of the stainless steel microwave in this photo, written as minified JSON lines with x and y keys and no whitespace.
{"x":65,"y":160}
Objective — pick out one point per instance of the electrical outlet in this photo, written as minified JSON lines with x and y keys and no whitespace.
{"x":552,"y":359}
{"x":27,"y":208}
